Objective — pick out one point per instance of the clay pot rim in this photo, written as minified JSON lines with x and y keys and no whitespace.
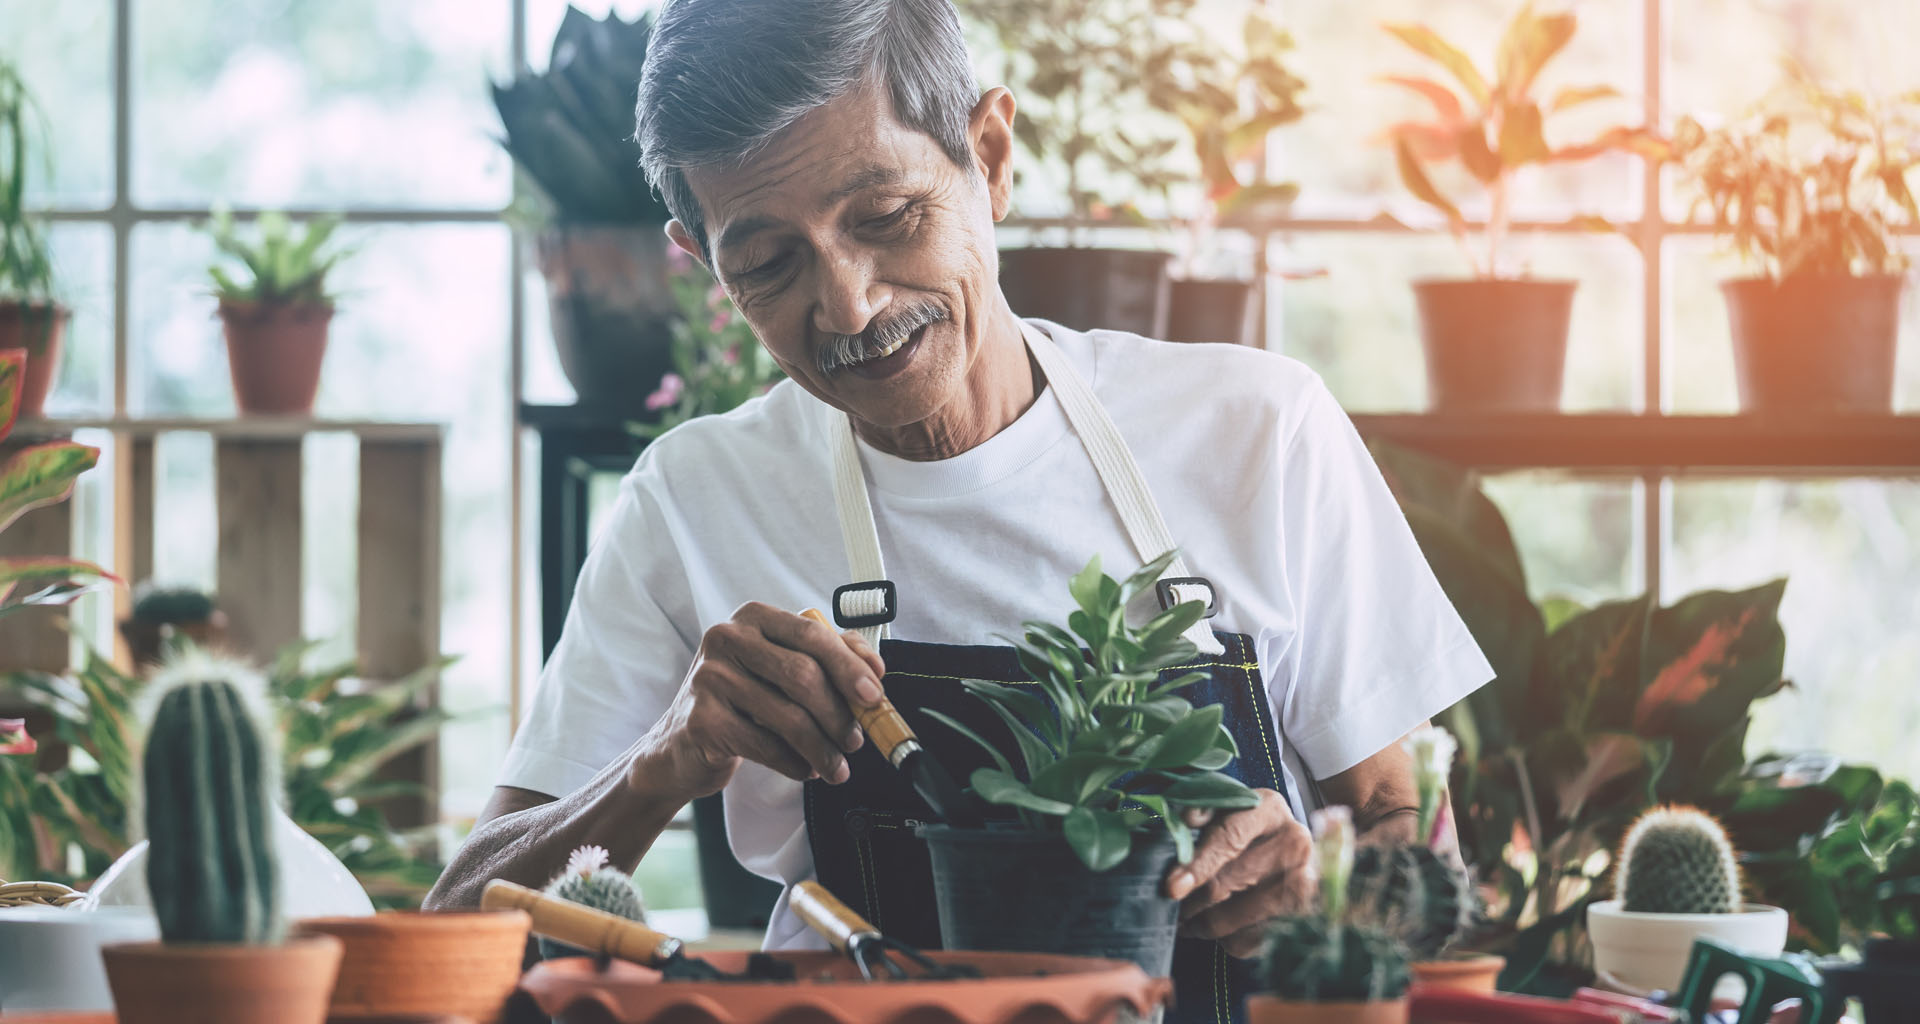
{"x":14,"y":307}
{"x":296,"y":942}
{"x":1459,"y":963}
{"x":255,"y":309}
{"x":1444,"y":282}
{"x":1340,"y":1004}
{"x":1754,"y":280}
{"x":413,"y":921}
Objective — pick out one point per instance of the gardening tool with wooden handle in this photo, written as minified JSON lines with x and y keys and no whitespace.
{"x":896,"y":741}
{"x":597,"y":931}
{"x":862,"y":943}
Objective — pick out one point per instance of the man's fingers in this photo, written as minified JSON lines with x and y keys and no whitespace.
{"x":750,"y":701}
{"x":852,"y":677}
{"x":866,"y":653}
{"x":1238,"y":912}
{"x":1220,"y":845}
{"x":1197,"y":817}
{"x":762,"y":747}
{"x":804,"y":682}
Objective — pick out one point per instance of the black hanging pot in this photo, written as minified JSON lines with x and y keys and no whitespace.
{"x":1210,"y":310}
{"x":1815,"y":342}
{"x":1494,"y":345}
{"x":1088,"y":289}
{"x":1886,"y":981}
{"x":612,"y":309}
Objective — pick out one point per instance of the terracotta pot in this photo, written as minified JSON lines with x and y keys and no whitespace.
{"x":1476,"y":972}
{"x":411,"y":963}
{"x":1815,"y":343}
{"x":274,"y":352}
{"x":1494,"y":345}
{"x":1265,"y":1009}
{"x":155,"y":983}
{"x":1089,"y":289}
{"x":39,"y":329}
{"x":612,"y":310}
{"x":1025,"y":987}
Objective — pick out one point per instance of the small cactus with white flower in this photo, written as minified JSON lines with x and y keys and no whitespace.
{"x":589,"y":879}
{"x":1329,"y":956}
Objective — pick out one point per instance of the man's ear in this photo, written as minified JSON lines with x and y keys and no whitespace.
{"x":990,"y":131}
{"x":686,"y":242}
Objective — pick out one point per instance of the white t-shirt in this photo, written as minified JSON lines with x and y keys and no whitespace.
{"x":1259,"y":474}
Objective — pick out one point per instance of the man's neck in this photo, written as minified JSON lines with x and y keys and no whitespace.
{"x":1002,"y":384}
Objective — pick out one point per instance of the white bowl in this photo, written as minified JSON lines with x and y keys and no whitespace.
{"x":313,"y":882}
{"x":1650,"y":951}
{"x":50,"y":958}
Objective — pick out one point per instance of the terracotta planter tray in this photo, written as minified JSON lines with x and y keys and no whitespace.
{"x":1030,"y":988}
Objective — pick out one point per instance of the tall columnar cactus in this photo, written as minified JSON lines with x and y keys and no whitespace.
{"x":1414,"y":894}
{"x":1676,"y":860}
{"x":211,"y":777}
{"x":590,"y":881}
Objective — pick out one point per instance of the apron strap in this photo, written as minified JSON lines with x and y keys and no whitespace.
{"x":1119,"y":473}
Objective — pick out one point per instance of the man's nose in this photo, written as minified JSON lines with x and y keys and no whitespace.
{"x":849,"y":296}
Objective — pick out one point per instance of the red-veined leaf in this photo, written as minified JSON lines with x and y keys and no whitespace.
{"x":1710,"y":656}
{"x":1574,"y":95}
{"x":1639,"y":141}
{"x":51,"y":580}
{"x":1430,"y":141}
{"x":13,"y":366}
{"x":41,"y":475}
{"x":1428,"y":44}
{"x":1445,"y":103}
{"x":1609,"y":756}
{"x":1480,"y":160}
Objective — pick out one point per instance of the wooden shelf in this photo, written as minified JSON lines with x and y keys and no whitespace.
{"x":1838,"y":445}
{"x":243,"y":428}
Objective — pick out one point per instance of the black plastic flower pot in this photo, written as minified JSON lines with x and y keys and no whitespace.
{"x":1089,"y":289}
{"x":1815,"y":343}
{"x":1886,"y":981}
{"x":1012,"y":890}
{"x":1210,"y":310}
{"x":1494,"y":345}
{"x":612,"y":310}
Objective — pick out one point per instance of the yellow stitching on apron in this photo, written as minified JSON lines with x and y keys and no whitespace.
{"x":867,"y":881}
{"x":1222,"y":1012}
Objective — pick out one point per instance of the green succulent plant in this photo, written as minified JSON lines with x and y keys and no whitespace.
{"x":1111,"y":751}
{"x":1676,"y":860}
{"x":283,"y":266}
{"x":1333,"y":954}
{"x":570,"y":128}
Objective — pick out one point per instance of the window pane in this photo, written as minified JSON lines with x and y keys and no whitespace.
{"x":1578,"y":539}
{"x":543,"y":20}
{"x":65,"y":52}
{"x":1357,"y":326}
{"x":355,"y":101}
{"x":83,"y":269}
{"x":1336,"y":155}
{"x":1722,"y":55}
{"x":1850,"y":550}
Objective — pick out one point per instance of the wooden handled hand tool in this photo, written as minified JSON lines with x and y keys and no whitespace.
{"x":597,"y":931}
{"x":889,"y":731}
{"x":862,"y":943}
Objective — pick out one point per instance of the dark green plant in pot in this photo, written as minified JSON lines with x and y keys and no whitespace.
{"x":1331,"y":956}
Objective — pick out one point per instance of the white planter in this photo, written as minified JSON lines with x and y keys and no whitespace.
{"x":50,"y":959}
{"x":1650,"y":951}
{"x":313,"y":882}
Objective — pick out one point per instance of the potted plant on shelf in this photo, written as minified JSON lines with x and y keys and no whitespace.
{"x":1079,"y":73}
{"x":31,"y":477}
{"x":1496,"y":341}
{"x":599,"y":242}
{"x":31,"y":320}
{"x":1811,"y":190}
{"x":209,"y":783}
{"x":275,"y":317}
{"x":1677,"y":880}
{"x":165,"y":615}
{"x":1887,"y":978}
{"x":1105,"y":766}
{"x":1230,"y":103}
{"x":1327,"y":967}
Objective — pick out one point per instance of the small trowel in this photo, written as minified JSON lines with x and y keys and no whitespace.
{"x":600,"y":933}
{"x":896,"y":741}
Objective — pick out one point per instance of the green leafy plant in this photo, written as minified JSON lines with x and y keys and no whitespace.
{"x":1677,"y":860}
{"x":570,"y":129}
{"x":284,"y":267}
{"x":26,"y":266}
{"x":717,"y":362}
{"x":1815,"y":180}
{"x":1112,"y":750}
{"x":68,"y":824}
{"x":1330,"y":956}
{"x":32,"y":477}
{"x":1495,"y":125}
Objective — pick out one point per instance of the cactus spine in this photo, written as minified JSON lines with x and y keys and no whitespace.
{"x":210,"y":774}
{"x":1333,"y":956}
{"x":1676,"y":860}
{"x":590,"y":881}
{"x":1414,"y":895}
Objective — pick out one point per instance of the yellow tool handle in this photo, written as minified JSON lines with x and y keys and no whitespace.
{"x":883,"y":724}
{"x":824,"y":913}
{"x":595,"y":931}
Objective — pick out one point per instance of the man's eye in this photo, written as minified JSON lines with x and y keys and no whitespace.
{"x":891,"y":218}
{"x":763,"y":271}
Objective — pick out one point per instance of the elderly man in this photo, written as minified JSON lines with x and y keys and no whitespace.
{"x":836,"y":167}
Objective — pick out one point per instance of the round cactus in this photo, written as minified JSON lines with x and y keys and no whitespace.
{"x":1676,"y":860}
{"x":1413,"y":894}
{"x":210,"y":778}
{"x":589,"y":880}
{"x":158,"y":604}
{"x":1310,"y":959}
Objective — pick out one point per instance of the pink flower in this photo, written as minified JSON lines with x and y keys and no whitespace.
{"x":14,"y":738}
{"x":670,"y":387}
{"x":720,"y":322}
{"x":731,"y":357}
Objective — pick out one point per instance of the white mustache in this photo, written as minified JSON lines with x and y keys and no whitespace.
{"x":844,"y":350}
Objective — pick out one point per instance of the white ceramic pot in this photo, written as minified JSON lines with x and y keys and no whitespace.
{"x":313,"y":882}
{"x":50,"y":958}
{"x":1650,"y":951}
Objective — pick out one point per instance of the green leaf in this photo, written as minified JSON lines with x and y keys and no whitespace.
{"x":1100,"y":839}
{"x":978,"y":740}
{"x":13,"y":366}
{"x":1428,"y":43}
{"x":1036,"y":753}
{"x":41,"y":475}
{"x":47,"y":580}
{"x":1144,"y":578}
{"x":1188,"y":739}
{"x":1176,"y":826}
{"x":1710,"y":656}
{"x":998,"y":787}
{"x":1085,"y":588}
{"x":1077,"y":776}
{"x":1211,"y":789}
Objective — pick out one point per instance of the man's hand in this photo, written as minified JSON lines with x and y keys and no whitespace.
{"x":1249,"y":867}
{"x":768,"y":686}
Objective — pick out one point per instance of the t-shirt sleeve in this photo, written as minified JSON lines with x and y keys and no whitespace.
{"x":620,"y":658}
{"x":1376,"y":646}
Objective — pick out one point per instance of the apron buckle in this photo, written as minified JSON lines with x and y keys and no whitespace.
{"x":853,"y":604}
{"x":1176,"y":589}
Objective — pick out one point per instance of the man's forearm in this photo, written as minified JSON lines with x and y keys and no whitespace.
{"x":530,"y":846}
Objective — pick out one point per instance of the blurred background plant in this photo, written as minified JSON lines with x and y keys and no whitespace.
{"x":33,"y":477}
{"x":284,"y":266}
{"x":1494,"y":125}
{"x":718,"y":363}
{"x":66,"y":822}
{"x":1814,"y":180}
{"x":26,"y":264}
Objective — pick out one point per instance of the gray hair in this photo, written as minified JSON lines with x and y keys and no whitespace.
{"x":723,"y":77}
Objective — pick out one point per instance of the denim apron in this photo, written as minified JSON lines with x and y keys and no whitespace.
{"x":861,"y":832}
